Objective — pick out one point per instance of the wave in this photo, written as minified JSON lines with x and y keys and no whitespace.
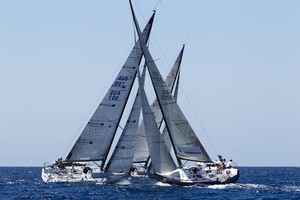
{"x":124,"y":182}
{"x":162,"y":184}
{"x":288,"y":189}
{"x":291,"y":188}
{"x":11,"y":182}
{"x":238,"y":186}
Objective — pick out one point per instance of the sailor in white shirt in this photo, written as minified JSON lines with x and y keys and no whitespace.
{"x":229,"y":164}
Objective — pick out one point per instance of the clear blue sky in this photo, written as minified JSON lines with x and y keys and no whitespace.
{"x":240,"y":73}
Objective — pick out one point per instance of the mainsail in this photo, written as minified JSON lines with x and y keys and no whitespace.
{"x":122,"y":157}
{"x":184,"y":140}
{"x":96,"y":138}
{"x":141,"y":152}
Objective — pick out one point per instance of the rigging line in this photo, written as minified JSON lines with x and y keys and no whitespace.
{"x":96,"y":164}
{"x":185,"y":163}
{"x":155,"y":40}
{"x":204,"y":131}
{"x":159,"y":51}
{"x":154,"y":9}
{"x":157,"y":4}
{"x":186,"y":39}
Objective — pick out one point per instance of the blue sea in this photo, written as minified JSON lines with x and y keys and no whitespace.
{"x":254,"y":183}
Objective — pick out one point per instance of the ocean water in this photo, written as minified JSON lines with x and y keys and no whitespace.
{"x":254,"y":183}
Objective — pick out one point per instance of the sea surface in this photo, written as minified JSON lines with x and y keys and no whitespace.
{"x":254,"y":183}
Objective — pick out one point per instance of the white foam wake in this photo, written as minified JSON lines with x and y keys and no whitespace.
{"x":238,"y":186}
{"x":162,"y":184}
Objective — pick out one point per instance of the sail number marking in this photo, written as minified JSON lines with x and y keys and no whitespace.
{"x":114,"y":95}
{"x":120,"y":82}
{"x":166,"y":95}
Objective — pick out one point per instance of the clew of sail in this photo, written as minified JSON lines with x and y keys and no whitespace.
{"x":122,"y":157}
{"x":184,"y":140}
{"x":161,"y":159}
{"x":96,"y":138}
{"x":141,"y":153}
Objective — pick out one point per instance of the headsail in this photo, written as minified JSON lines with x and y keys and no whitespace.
{"x":184,"y":140}
{"x":161,"y":159}
{"x":122,"y":157}
{"x":96,"y":138}
{"x":141,"y":153}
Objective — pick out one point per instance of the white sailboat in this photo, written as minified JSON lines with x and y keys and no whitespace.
{"x":136,"y":144}
{"x":185,"y":143}
{"x":95,"y":141}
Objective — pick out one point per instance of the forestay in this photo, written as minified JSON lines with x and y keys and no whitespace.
{"x":96,"y":138}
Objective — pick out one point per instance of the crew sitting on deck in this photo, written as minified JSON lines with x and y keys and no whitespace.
{"x":229,"y":164}
{"x":221,"y":165}
{"x":59,"y":163}
{"x":224,"y":163}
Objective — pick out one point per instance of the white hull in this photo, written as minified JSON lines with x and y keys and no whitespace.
{"x":184,"y":177}
{"x":50,"y":175}
{"x":54,"y":177}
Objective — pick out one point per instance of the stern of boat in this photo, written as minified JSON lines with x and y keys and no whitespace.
{"x":44,"y":175}
{"x":233,"y":175}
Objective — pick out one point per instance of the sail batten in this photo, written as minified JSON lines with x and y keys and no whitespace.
{"x":108,"y":114}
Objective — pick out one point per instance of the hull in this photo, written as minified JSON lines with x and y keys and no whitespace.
{"x":181,"y":177}
{"x":56,"y":176}
{"x":50,"y":175}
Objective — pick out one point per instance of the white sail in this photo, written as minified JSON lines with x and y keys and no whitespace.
{"x":184,"y":140}
{"x":141,"y":152}
{"x":161,"y":159}
{"x":122,"y":157}
{"x":96,"y":138}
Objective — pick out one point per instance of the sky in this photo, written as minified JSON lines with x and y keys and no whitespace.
{"x":240,"y":73}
